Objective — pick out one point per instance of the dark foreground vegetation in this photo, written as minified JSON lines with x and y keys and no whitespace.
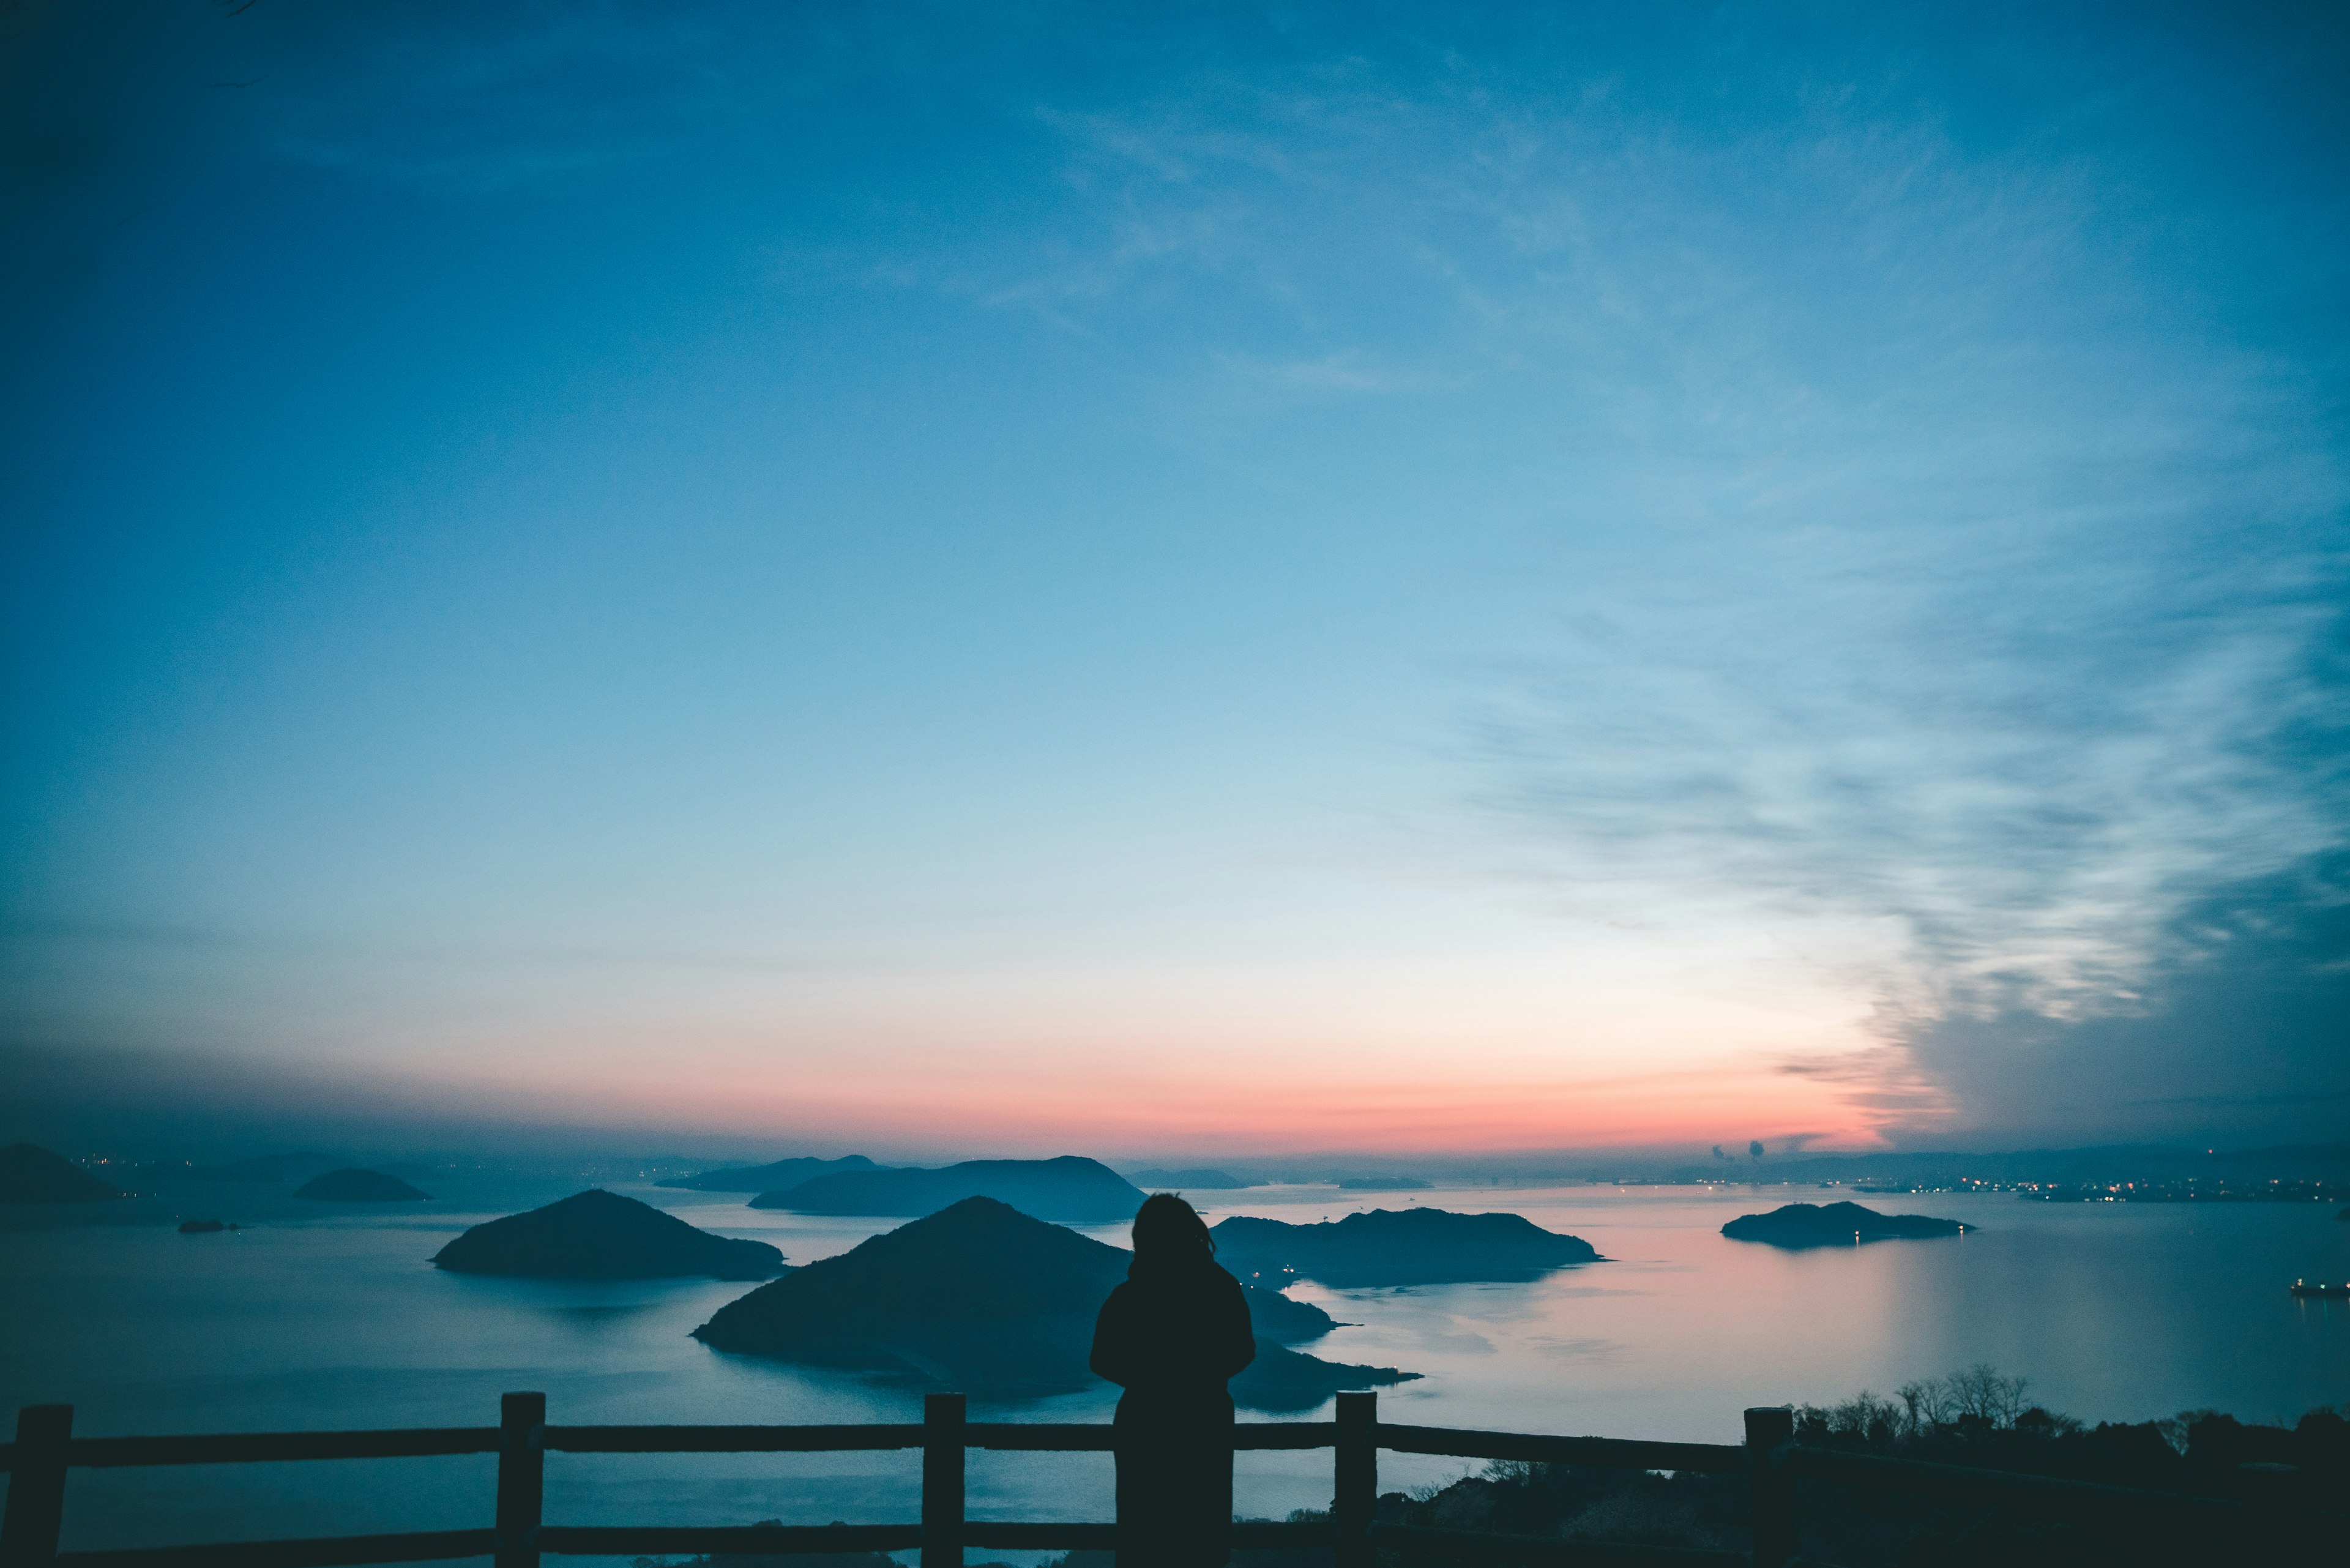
{"x":1975,"y":1418}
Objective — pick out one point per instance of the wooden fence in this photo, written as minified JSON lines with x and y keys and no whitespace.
{"x":46,"y":1449}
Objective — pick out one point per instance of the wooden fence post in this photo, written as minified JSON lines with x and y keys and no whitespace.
{"x":36,"y":1493}
{"x":1357,"y":1466}
{"x":1773,"y":1496}
{"x":522,"y":1479}
{"x":942,"y":1418}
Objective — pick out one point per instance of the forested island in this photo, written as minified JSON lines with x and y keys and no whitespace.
{"x":600,"y":1235}
{"x":1796,"y":1225}
{"x":983,"y":1297}
{"x":1395,"y":1247}
{"x":1070,"y":1190}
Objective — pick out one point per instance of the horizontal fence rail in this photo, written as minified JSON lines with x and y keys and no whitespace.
{"x":728,"y":1439}
{"x":44,"y":1450}
{"x":414,"y":1546}
{"x":1593,"y":1453}
{"x":247,"y":1447}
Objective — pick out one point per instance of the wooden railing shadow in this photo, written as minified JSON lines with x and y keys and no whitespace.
{"x":46,"y":1449}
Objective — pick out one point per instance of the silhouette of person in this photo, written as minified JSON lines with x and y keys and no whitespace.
{"x":1170,"y":1336}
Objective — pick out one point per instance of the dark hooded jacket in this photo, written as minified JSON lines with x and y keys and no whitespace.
{"x":1170,"y":1336}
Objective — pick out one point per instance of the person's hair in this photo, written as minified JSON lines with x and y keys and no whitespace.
{"x":1165,"y":1227}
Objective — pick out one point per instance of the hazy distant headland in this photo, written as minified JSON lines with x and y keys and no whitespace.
{"x":2125,"y":1172}
{"x":358,"y":1186}
{"x":778,"y":1177}
{"x":1395,"y":1247}
{"x":600,"y":1235}
{"x":987,"y":1298}
{"x":31,"y":1174}
{"x":1069,"y":1189}
{"x":1199,"y":1179}
{"x":1799,"y":1225}
{"x":267,"y":1170}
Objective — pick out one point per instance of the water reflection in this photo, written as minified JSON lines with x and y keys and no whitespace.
{"x":2112,"y":1311}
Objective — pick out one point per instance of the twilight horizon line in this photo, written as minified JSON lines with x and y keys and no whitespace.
{"x":1411,"y":577}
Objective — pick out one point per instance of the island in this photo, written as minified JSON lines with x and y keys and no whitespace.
{"x":31,"y":1174}
{"x":204,"y":1227}
{"x":1383,"y":1184}
{"x":774,"y":1177}
{"x":600,"y":1235}
{"x":356,"y":1186}
{"x":1070,"y":1190}
{"x":1190,"y":1179}
{"x":1395,"y":1247}
{"x":1798,"y":1225}
{"x":981,"y":1297}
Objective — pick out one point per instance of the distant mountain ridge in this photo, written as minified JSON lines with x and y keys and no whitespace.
{"x":600,"y":1235}
{"x":1395,"y":1247}
{"x":1070,"y":1190}
{"x":983,"y":1295}
{"x":777,"y":1177}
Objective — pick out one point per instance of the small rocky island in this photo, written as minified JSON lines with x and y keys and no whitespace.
{"x":31,"y":1174}
{"x":774,"y":1177}
{"x":356,"y":1186}
{"x":1070,"y":1190}
{"x":1395,"y":1247}
{"x":1834,"y":1225}
{"x":600,"y":1235}
{"x":982,"y":1296}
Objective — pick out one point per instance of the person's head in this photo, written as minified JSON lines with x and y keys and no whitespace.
{"x":1166,"y":1231}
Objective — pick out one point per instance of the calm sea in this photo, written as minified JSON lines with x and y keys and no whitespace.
{"x":2119,"y":1312}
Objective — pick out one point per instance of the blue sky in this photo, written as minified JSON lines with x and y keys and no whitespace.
{"x":1350,"y":577}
